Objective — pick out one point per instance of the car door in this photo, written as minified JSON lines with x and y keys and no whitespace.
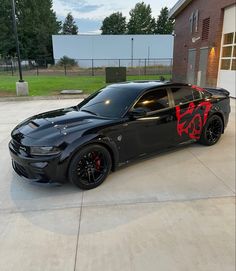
{"x":191,"y":111}
{"x":154,"y":131}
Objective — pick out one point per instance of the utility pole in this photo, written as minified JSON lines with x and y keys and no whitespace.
{"x":132,"y":52}
{"x":17,"y":40}
{"x":22,"y":88}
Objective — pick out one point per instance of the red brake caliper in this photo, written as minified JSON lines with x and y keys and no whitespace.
{"x":97,"y":161}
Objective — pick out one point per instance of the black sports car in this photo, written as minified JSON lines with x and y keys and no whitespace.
{"x":113,"y":126}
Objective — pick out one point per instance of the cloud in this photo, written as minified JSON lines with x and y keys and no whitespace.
{"x":88,"y":8}
{"x":75,"y":7}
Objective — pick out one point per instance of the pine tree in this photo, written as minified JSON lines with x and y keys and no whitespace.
{"x":141,"y":20}
{"x":114,"y":24}
{"x":164,"y":25}
{"x":69,"y":26}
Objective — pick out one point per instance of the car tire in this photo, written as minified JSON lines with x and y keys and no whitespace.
{"x":90,"y":167}
{"x":212,"y":131}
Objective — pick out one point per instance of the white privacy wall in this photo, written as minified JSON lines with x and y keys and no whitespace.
{"x":113,"y":46}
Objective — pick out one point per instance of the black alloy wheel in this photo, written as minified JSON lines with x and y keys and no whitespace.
{"x":212,"y":131}
{"x":90,"y":167}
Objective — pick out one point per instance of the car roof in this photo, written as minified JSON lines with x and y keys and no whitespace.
{"x":142,"y":85}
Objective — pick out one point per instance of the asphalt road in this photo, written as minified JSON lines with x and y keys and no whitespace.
{"x":175,"y":211}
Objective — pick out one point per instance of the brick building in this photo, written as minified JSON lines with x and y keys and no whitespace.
{"x":205,"y":43}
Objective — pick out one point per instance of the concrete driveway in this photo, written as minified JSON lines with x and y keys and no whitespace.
{"x":175,"y":211}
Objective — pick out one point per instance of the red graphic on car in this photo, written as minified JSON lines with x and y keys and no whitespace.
{"x":197,"y":88}
{"x":190,"y":121}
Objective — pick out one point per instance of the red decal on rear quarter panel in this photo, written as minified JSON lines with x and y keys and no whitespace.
{"x":192,"y":120}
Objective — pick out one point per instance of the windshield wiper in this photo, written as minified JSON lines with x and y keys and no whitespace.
{"x":84,"y":110}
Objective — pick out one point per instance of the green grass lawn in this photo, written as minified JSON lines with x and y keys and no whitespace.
{"x":52,"y":85}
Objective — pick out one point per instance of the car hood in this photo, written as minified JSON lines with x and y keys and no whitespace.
{"x":51,"y":124}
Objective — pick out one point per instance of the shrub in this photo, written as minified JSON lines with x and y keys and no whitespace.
{"x":66,"y":61}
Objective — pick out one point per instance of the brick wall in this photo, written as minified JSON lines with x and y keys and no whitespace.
{"x":183,"y":39}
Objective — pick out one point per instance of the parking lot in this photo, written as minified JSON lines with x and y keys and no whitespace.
{"x":174,"y":211}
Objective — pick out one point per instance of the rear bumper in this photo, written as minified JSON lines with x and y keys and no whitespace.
{"x":43,"y":169}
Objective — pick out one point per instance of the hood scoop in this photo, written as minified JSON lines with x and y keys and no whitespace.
{"x":33,"y":125}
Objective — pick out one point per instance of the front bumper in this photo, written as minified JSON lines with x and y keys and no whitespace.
{"x":42,"y":169}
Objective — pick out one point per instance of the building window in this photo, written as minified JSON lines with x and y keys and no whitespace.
{"x":205,"y":28}
{"x":193,"y":20}
{"x":228,"y":55}
{"x":233,"y":67}
{"x":228,"y":38}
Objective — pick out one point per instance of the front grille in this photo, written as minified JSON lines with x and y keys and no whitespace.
{"x":20,"y":169}
{"x":18,"y":148}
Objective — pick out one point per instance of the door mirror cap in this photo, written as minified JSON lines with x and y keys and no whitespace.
{"x":137,"y":113}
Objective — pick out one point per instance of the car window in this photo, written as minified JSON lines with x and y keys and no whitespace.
{"x":111,"y":101}
{"x":154,"y":100}
{"x":183,"y":95}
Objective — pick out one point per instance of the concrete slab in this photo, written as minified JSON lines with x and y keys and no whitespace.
{"x":71,"y":91}
{"x":195,"y":235}
{"x":144,"y":217}
{"x":39,"y":241}
{"x":177,"y":175}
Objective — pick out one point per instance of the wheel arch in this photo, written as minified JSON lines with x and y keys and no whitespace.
{"x":113,"y":153}
{"x":222,"y":118}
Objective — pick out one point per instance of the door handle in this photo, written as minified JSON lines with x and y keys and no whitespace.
{"x":169,"y":118}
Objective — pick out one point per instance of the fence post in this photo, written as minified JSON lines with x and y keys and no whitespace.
{"x":12,"y":70}
{"x":37,"y":69}
{"x":119,"y":63}
{"x":65,"y":70}
{"x":92,"y":67}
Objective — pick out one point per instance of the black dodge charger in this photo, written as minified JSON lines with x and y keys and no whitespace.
{"x":114,"y":126}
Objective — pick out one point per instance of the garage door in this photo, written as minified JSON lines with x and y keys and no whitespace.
{"x":227,"y":69}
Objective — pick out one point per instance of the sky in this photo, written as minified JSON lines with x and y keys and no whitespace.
{"x":89,"y":14}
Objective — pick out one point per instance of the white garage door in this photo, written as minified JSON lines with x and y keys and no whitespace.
{"x":227,"y":70}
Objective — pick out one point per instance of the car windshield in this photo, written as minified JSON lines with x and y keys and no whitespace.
{"x":111,"y":101}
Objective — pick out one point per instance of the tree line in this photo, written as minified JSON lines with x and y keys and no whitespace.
{"x":37,"y":22}
{"x":141,"y":22}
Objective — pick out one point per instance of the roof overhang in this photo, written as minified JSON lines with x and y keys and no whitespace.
{"x":178,"y":7}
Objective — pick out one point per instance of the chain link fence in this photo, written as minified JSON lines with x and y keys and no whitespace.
{"x":86,"y":67}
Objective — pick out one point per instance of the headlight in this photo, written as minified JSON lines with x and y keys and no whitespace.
{"x":44,"y":150}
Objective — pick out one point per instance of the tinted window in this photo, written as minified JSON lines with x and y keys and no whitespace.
{"x":185,"y":94}
{"x":153,"y":100}
{"x":111,"y":101}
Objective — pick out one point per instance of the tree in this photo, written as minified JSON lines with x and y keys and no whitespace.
{"x":114,"y":24}
{"x":7,"y":42}
{"x":164,"y":25}
{"x":69,"y":26}
{"x":36,"y":23}
{"x":141,"y":20}
{"x":67,"y":61}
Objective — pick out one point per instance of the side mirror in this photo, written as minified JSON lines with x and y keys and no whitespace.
{"x":137,"y":113}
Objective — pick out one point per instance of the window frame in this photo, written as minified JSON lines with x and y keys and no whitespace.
{"x":231,"y":57}
{"x":194,"y":100}
{"x":167,"y":88}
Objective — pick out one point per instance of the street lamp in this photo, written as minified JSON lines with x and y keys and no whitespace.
{"x":17,"y":40}
{"x":148,"y":54}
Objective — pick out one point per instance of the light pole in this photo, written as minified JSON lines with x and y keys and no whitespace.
{"x":22,"y":88}
{"x":17,"y":40}
{"x":148,"y":54}
{"x":132,"y":52}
